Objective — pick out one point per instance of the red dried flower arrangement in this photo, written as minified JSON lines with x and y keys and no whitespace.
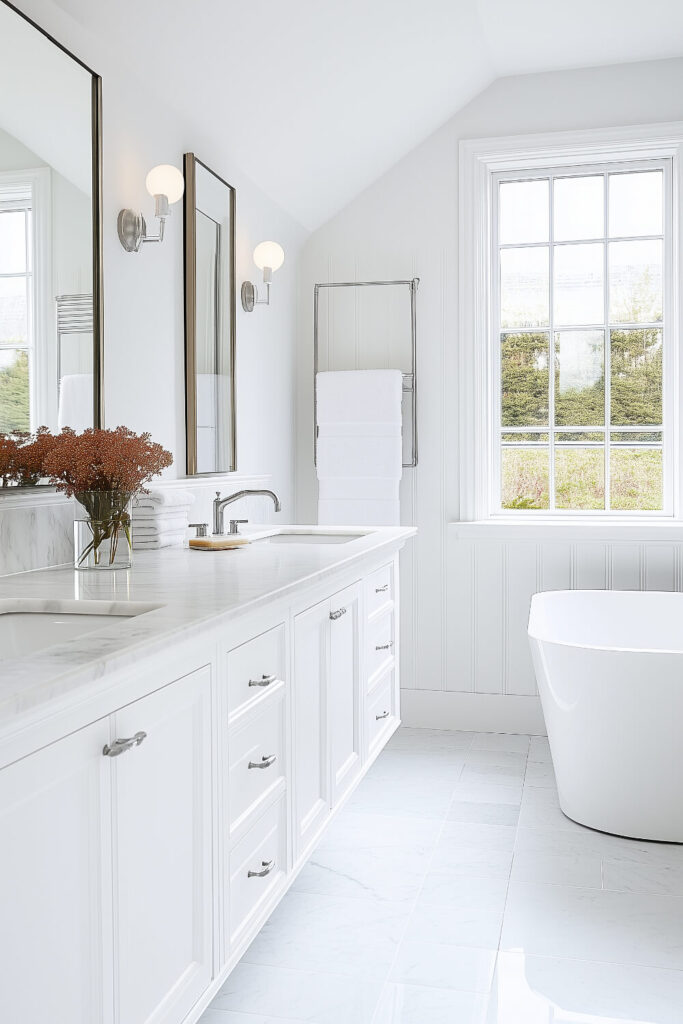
{"x":104,"y":460}
{"x":22,"y":457}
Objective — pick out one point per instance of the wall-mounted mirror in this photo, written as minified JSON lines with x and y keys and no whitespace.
{"x":50,"y":241}
{"x":209,"y":319}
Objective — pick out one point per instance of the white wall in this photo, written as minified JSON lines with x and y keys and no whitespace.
{"x":465,"y":659}
{"x":144,"y":344}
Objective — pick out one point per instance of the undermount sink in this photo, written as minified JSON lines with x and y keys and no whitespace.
{"x":28,"y":626}
{"x":311,"y":538}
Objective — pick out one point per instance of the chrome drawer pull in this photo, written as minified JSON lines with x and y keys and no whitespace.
{"x":385,"y":647}
{"x":338,"y":614}
{"x":265,"y":761}
{"x":382,"y":590}
{"x":121,"y":746}
{"x":385,"y":714}
{"x":268,"y":866}
{"x":263,"y":681}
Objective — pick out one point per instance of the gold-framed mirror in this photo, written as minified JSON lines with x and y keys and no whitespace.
{"x":209,"y":218}
{"x":51,"y":288}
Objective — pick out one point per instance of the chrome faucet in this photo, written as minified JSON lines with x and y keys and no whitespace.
{"x":220,"y":503}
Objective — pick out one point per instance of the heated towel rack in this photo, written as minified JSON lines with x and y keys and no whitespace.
{"x":74,"y":316}
{"x":409,"y":376}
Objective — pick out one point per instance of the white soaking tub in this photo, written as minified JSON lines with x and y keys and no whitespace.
{"x":609,"y":666}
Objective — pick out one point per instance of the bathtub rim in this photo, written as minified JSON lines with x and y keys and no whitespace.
{"x":609,"y":649}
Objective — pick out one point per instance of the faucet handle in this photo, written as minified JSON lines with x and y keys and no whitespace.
{"x":201,"y":528}
{"x":234,"y":524}
{"x":218,"y":495}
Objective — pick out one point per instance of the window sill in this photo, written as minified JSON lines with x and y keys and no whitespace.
{"x":605,"y":530}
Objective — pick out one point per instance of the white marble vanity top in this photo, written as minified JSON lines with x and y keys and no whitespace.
{"x":192,"y":588}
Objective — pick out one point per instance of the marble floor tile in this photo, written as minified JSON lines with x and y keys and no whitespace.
{"x":483,"y":813}
{"x":539,"y":749}
{"x":540,"y":808}
{"x":392,"y":874}
{"x":539,"y":990}
{"x":480,"y":851}
{"x":409,"y":799}
{"x":484,"y":792}
{"x":444,"y":888}
{"x":558,"y":857}
{"x":593,"y":924}
{"x":354,"y":831}
{"x":502,"y":775}
{"x":300,"y":995}
{"x":231,"y":1017}
{"x":454,"y":926}
{"x":418,"y":1004}
{"x":644,"y":867}
{"x":360,"y":937}
{"x":540,"y":775}
{"x":398,"y":767}
{"x":438,"y":965}
{"x":429,"y":740}
{"x":501,"y":741}
{"x":495,"y":757}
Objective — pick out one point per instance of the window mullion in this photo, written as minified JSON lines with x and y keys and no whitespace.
{"x":551,"y":351}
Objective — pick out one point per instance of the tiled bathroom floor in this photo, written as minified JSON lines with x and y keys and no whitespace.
{"x":452,"y":890}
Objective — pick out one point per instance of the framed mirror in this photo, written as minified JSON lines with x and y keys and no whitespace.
{"x":209,"y":210}
{"x":50,"y":232}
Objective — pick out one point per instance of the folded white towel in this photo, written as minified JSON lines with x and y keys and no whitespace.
{"x":175,"y":516}
{"x":168,"y":540}
{"x":358,"y":396}
{"x":359,"y":488}
{"x":157,"y":534}
{"x":359,"y":456}
{"x":340,"y":512}
{"x":171,"y":497}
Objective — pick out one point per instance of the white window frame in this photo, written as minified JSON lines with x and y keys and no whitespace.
{"x":482,"y":162}
{"x":41,"y":340}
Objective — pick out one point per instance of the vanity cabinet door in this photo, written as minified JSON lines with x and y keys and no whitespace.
{"x":311,"y":791}
{"x":345,"y":690}
{"x":54,"y":871}
{"x":162,"y":853}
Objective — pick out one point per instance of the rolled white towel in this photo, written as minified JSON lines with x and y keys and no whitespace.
{"x":166,"y":498}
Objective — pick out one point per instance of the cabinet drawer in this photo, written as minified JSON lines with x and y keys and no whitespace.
{"x":257,"y":759}
{"x":257,"y":866}
{"x":379,"y":588}
{"x":256,"y":667}
{"x":380,"y":710}
{"x":379,"y":644}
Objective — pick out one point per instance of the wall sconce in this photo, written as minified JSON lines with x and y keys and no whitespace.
{"x":166,"y":184}
{"x":268,"y":257}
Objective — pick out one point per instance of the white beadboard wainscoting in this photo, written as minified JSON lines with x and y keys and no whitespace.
{"x":493,"y":570}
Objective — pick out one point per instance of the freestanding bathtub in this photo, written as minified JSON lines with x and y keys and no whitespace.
{"x":609,"y":666}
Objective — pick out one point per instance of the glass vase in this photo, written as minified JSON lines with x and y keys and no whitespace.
{"x":103,"y":537}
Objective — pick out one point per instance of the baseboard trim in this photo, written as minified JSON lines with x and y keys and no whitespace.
{"x":472,"y":712}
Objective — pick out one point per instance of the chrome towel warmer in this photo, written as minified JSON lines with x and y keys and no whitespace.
{"x":409,"y":377}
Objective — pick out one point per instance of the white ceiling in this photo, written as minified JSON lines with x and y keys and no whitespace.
{"x":320,"y":97}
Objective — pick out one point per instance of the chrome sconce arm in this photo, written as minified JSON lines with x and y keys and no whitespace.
{"x":166,"y":184}
{"x":268,"y":257}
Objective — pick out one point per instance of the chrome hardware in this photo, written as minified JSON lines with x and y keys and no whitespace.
{"x":121,"y":746}
{"x":265,"y":761}
{"x":263,"y":681}
{"x":384,"y":647}
{"x":385,"y":714}
{"x":382,"y":590}
{"x":220,"y":503}
{"x":201,"y":528}
{"x":234,"y":526}
{"x":267,"y":865}
{"x":338,"y":614}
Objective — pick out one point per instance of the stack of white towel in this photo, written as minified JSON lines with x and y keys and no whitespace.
{"x":359,"y":447}
{"x":160,"y":519}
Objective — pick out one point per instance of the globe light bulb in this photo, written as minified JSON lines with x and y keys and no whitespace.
{"x":269,"y":255}
{"x":165,"y":180}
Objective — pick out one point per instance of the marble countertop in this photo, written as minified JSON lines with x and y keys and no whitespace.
{"x":192,"y":588}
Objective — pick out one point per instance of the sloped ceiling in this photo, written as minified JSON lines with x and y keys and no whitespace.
{"x":320,"y":97}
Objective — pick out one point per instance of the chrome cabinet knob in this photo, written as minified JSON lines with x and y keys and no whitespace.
{"x":265,"y":761}
{"x":338,"y":614}
{"x":382,"y":590}
{"x":385,"y":647}
{"x":266,"y":865}
{"x":385,"y":714}
{"x":121,"y":746}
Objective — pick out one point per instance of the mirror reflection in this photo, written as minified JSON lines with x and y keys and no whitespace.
{"x":48,"y":327}
{"x":210,"y":319}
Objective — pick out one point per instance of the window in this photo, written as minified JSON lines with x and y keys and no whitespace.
{"x":16,"y":306}
{"x":580,"y":339}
